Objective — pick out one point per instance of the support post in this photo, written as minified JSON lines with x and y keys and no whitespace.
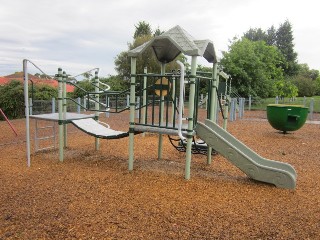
{"x":173,"y":97}
{"x":144,"y":100}
{"x":64,"y":101}
{"x":26,"y":109}
{"x":160,"y":144}
{"x":96,"y":105}
{"x":132,"y":111}
{"x":60,"y":109}
{"x":190,"y":116}
{"x":213,"y":104}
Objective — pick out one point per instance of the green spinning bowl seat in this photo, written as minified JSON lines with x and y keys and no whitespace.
{"x":285,"y":117}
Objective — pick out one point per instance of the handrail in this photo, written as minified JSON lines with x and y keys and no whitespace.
{"x":181,"y":100}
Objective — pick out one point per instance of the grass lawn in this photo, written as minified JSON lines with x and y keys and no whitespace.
{"x":261,"y":104}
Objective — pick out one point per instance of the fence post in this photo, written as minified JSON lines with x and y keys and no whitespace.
{"x":217,"y":112}
{"x":137,"y":107}
{"x":78,"y":106}
{"x":53,"y":101}
{"x":239,"y":107}
{"x":277,"y":100}
{"x":84,"y":103}
{"x":30,"y":106}
{"x":107,"y":106}
{"x":128,"y":100}
{"x":207,"y":101}
{"x":243,"y":105}
{"x":249,"y":102}
{"x":304,"y":101}
{"x":232,"y":110}
{"x":311,"y":109}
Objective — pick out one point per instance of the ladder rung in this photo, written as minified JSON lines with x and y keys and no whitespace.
{"x":45,"y":127}
{"x":46,"y":148}
{"x":48,"y":137}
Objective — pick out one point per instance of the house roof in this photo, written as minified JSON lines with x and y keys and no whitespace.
{"x":171,"y":43}
{"x":37,"y":81}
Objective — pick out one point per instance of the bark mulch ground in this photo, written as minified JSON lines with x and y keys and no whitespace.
{"x":91,"y":195}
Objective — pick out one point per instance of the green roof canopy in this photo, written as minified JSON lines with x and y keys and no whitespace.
{"x":170,"y":44}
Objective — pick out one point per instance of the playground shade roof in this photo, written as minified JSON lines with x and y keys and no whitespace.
{"x":171,"y":43}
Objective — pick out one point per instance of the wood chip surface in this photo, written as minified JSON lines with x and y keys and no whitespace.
{"x":91,"y":195}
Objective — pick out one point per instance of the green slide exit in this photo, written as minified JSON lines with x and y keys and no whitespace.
{"x":256,"y":167}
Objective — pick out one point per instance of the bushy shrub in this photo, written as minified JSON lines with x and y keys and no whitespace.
{"x":12,"y":99}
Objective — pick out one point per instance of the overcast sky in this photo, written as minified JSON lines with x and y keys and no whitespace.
{"x":78,"y":35}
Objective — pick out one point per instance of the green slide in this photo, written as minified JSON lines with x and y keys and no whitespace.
{"x":256,"y":167}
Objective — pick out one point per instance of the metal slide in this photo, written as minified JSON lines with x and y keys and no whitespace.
{"x":256,"y":167}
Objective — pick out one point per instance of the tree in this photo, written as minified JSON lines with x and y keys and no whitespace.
{"x":305,"y":80}
{"x":317,"y":85}
{"x":253,"y":66}
{"x":284,"y":42}
{"x":271,"y":39}
{"x":286,"y":89}
{"x":82,"y":85}
{"x":157,"y":32}
{"x":306,"y":86}
{"x":45,"y":92}
{"x":142,"y":29}
{"x":255,"y":34}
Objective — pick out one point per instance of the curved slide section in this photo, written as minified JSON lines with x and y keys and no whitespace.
{"x":256,"y":167}
{"x":93,"y":128}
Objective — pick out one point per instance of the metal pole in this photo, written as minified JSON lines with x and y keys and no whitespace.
{"x":190,"y":117}
{"x":137,"y":107}
{"x":173,"y":97}
{"x":30,"y":106}
{"x":60,"y":109}
{"x":96,"y":105}
{"x":163,"y":71}
{"x":79,"y":102}
{"x":64,"y":95}
{"x":213,"y":104}
{"x":26,"y":109}
{"x":53,"y":101}
{"x":226,"y":112}
{"x":85,"y":103}
{"x":107,"y":106}
{"x":311,"y":109}
{"x":132,"y":110}
{"x":128,"y":100}
{"x":144,"y":101}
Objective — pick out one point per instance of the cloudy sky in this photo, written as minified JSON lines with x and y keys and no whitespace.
{"x":78,"y":35}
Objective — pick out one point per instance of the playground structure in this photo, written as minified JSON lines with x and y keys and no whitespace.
{"x":286,"y":117}
{"x":165,"y":112}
